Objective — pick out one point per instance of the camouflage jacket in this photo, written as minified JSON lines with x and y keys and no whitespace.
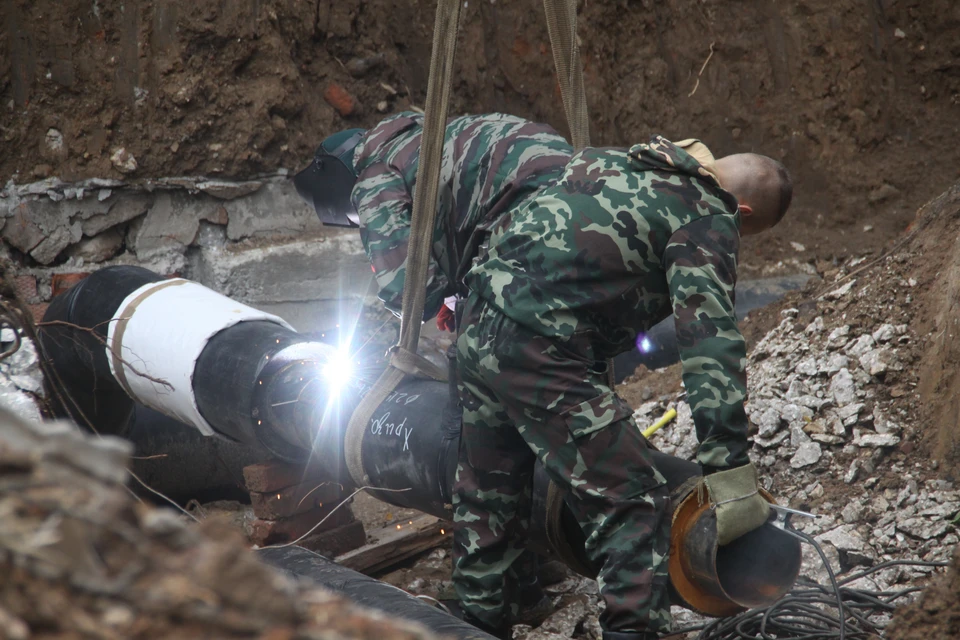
{"x":491,"y":163}
{"x":623,"y":238}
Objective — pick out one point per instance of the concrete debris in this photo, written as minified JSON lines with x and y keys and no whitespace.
{"x":842,"y":388}
{"x":807,"y":454}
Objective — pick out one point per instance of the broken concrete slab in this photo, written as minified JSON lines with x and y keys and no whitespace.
{"x":275,"y":209}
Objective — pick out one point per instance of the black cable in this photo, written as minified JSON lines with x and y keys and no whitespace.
{"x":813,"y":611}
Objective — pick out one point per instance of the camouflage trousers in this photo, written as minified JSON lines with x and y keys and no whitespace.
{"x":526,"y":397}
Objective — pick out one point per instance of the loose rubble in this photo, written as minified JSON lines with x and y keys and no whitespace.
{"x":832,"y":409}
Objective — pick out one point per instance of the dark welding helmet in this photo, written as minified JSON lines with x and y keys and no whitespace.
{"x":328,"y":182}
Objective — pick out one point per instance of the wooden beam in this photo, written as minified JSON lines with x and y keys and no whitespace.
{"x":390,"y":545}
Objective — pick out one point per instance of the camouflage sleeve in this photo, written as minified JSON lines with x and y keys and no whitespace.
{"x":701,"y":264}
{"x":385,"y":206}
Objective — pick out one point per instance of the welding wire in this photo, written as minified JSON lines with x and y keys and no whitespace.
{"x":659,"y":424}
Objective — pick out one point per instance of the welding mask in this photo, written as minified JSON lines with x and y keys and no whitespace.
{"x":328,"y":182}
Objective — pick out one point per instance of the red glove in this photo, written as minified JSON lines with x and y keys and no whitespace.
{"x":446,"y":320}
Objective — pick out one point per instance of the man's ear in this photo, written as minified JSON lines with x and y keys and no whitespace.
{"x":746,"y":210}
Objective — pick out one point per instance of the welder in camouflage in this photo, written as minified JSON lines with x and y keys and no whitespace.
{"x":564,"y":258}
{"x":623,"y":238}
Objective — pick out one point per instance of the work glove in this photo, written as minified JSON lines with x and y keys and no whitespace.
{"x":736,"y":497}
{"x":446,"y":321}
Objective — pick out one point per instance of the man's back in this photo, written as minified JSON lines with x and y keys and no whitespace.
{"x":491,"y":163}
{"x":584,"y":261}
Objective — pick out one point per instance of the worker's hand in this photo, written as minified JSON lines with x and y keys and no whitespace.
{"x":740,"y":507}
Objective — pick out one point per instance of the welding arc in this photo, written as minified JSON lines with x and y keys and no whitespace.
{"x":813,"y":610}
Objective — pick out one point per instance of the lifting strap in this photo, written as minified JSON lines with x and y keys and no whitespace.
{"x":404,"y":358}
{"x":562,"y":27}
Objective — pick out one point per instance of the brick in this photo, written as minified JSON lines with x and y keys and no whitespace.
{"x":63,"y":281}
{"x":37,"y":310}
{"x":337,"y":541}
{"x":26,"y":287}
{"x":293,"y":500}
{"x":339,"y":99}
{"x":263,"y":532}
{"x":275,"y":475}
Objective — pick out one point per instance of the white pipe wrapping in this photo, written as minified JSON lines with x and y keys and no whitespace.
{"x":157,"y":335}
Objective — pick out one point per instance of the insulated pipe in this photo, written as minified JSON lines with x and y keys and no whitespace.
{"x":230,"y":370}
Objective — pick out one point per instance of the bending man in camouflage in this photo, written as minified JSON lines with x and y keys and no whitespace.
{"x":596,"y":252}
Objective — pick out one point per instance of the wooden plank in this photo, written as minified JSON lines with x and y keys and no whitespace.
{"x":391,"y":545}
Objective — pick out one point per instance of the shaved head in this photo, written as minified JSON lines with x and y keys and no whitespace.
{"x":761,"y":185}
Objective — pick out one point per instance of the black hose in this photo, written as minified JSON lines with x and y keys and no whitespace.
{"x":297,"y":561}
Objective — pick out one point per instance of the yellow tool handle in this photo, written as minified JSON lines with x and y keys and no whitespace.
{"x":659,"y":424}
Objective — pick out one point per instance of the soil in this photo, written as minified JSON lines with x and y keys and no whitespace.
{"x":860,"y":100}
{"x":936,"y":615}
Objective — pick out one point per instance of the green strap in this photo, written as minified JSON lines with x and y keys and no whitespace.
{"x":404,"y":357}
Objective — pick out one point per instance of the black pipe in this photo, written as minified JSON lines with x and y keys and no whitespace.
{"x":299,"y":562}
{"x":262,"y":384}
{"x":657,"y":348}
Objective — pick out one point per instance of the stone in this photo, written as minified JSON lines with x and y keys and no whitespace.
{"x":876,"y":362}
{"x":884,"y":333}
{"x":288,"y":215}
{"x":229,"y":190}
{"x":51,"y":246}
{"x":171,"y":224}
{"x":815,"y":327}
{"x":806,"y":455}
{"x":834,"y":362}
{"x":122,"y":209}
{"x":796,"y":414}
{"x":842,"y":388}
{"x":849,"y":414}
{"x":53,"y":141}
{"x":877,"y":440}
{"x":860,"y":346}
{"x":838,"y":337}
{"x":923,"y":529}
{"x":853,"y":512}
{"x":851,"y":475}
{"x":32,"y":222}
{"x":769,"y":443}
{"x":840,"y":292}
{"x":807,"y":367}
{"x":843,"y":538}
{"x":99,"y":248}
{"x":123,"y":161}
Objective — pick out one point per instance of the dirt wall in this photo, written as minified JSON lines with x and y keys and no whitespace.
{"x":858,"y":97}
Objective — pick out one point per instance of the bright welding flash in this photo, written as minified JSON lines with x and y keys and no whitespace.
{"x":338,"y":370}
{"x":644,"y":344}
